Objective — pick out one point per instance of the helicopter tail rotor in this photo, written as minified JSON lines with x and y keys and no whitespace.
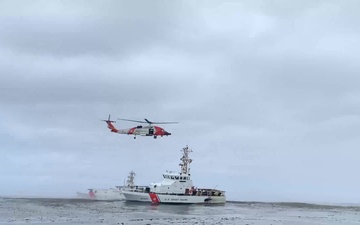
{"x":108,"y":120}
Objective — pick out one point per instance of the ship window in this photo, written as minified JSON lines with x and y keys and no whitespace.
{"x":177,"y":178}
{"x":172,"y":177}
{"x":180,"y":178}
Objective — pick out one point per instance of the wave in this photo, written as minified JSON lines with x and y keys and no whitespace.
{"x":239,"y":203}
{"x":300,"y":204}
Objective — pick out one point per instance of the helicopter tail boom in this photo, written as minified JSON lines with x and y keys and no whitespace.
{"x":110,"y":125}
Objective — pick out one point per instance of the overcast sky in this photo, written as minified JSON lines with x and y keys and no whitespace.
{"x":266,"y":93}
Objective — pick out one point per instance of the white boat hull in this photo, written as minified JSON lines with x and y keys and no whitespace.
{"x":136,"y":196}
{"x":173,"y":199}
{"x":103,"y":196}
{"x":187,"y":199}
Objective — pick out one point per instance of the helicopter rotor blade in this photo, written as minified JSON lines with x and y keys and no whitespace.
{"x":159,"y":122}
{"x":147,"y":121}
{"x":164,"y":122}
{"x":137,"y":121}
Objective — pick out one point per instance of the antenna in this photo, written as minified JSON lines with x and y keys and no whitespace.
{"x":185,"y":160}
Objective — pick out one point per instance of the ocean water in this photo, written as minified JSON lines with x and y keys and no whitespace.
{"x":77,"y":211}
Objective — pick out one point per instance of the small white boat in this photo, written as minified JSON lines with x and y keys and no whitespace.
{"x":111,"y":193}
{"x":176,"y":188}
{"x":102,"y":194}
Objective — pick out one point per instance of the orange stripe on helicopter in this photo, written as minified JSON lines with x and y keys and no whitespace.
{"x":131,"y":130}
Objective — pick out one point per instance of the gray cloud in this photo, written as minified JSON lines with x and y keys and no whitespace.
{"x":265,"y":93}
{"x":86,"y":28}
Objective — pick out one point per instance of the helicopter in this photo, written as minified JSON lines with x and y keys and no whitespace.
{"x":140,"y":130}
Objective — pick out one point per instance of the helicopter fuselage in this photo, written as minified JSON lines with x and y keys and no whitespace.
{"x":149,"y":130}
{"x":143,"y":131}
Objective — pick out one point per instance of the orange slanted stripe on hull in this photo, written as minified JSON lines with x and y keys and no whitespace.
{"x":154,"y":198}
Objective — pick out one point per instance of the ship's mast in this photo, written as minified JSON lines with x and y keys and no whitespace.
{"x":130,"y":180}
{"x":185,"y":161}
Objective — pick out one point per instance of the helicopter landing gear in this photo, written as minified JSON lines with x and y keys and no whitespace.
{"x":135,"y":137}
{"x":155,"y":137}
